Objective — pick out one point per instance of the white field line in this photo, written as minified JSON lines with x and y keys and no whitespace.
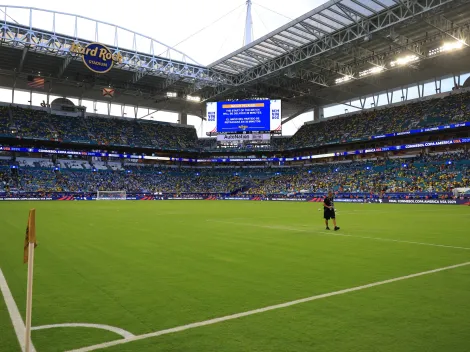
{"x":340,"y":234}
{"x":15,"y":316}
{"x":122,"y":332}
{"x":375,"y":211}
{"x":354,"y":212}
{"x":261,"y":310}
{"x":399,"y":241}
{"x":427,"y":232}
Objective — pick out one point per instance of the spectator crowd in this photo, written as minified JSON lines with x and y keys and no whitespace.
{"x":38,"y":124}
{"x":425,"y":173}
{"x":441,"y":173}
{"x":424,"y":114}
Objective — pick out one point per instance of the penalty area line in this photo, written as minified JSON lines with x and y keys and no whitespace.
{"x":15,"y":316}
{"x":261,"y":310}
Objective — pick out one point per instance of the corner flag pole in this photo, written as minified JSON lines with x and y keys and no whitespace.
{"x":28,"y":257}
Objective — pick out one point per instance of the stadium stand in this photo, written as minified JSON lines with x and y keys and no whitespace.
{"x":438,"y":173}
{"x":38,"y":124}
{"x":427,"y":175}
{"x":429,"y":113}
{"x":5,"y":121}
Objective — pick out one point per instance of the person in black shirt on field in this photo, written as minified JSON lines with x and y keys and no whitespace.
{"x":329,"y":210}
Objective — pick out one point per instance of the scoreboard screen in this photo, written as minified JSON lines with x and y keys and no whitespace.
{"x":244,"y":116}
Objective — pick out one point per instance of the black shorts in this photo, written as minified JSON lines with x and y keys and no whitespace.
{"x":329,"y":214}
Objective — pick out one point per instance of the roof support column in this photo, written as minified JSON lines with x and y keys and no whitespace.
{"x":49,"y":94}
{"x":375,"y":99}
{"x":13,"y":91}
{"x":64,"y":66}
{"x":420,"y":87}
{"x":437,"y":85}
{"x":183,"y":118}
{"x":389,"y":97}
{"x":404,"y":94}
{"x":248,"y":24}
{"x":317,"y":113}
{"x":456,"y":81}
{"x":23,"y":58}
{"x":363,"y":102}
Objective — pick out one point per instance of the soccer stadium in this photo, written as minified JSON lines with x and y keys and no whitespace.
{"x":304,"y":188}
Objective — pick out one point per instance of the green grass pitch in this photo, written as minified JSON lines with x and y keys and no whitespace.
{"x":149,"y":266}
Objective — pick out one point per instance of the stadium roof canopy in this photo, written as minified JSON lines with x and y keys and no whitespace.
{"x":339,"y":52}
{"x":325,"y":20}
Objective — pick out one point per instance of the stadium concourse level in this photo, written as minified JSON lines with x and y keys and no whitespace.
{"x":16,"y":122}
{"x":436,"y":174}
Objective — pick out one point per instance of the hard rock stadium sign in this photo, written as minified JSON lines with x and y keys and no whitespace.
{"x":97,"y":57}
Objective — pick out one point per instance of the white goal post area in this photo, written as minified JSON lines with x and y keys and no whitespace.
{"x":111,"y":195}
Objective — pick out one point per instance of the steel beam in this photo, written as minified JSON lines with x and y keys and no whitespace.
{"x":361,"y":28}
{"x":138,"y":75}
{"x":402,"y":42}
{"x":313,"y":104}
{"x":333,"y":66}
{"x":298,"y":113}
{"x":63,"y":67}
{"x":448,"y":28}
{"x":170,"y":81}
{"x":18,"y":36}
{"x":310,"y":76}
{"x":23,"y":58}
{"x":361,"y":55}
{"x":215,"y":92}
{"x":437,"y":85}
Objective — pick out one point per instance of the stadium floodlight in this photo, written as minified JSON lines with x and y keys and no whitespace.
{"x":452,"y":46}
{"x":371,"y":71}
{"x":343,"y":79}
{"x":446,"y":47}
{"x":401,"y":61}
{"x":194,"y":99}
{"x":171,"y":94}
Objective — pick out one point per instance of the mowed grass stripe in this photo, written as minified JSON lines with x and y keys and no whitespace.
{"x":335,"y":233}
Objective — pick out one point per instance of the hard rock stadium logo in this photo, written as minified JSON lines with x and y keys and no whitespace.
{"x":97,"y":57}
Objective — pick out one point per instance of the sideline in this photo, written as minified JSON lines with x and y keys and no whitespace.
{"x":15,"y":316}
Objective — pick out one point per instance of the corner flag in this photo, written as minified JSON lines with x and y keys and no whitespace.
{"x":28,"y":257}
{"x":30,"y":234}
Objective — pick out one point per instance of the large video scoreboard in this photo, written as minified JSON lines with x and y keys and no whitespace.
{"x":244,"y":116}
